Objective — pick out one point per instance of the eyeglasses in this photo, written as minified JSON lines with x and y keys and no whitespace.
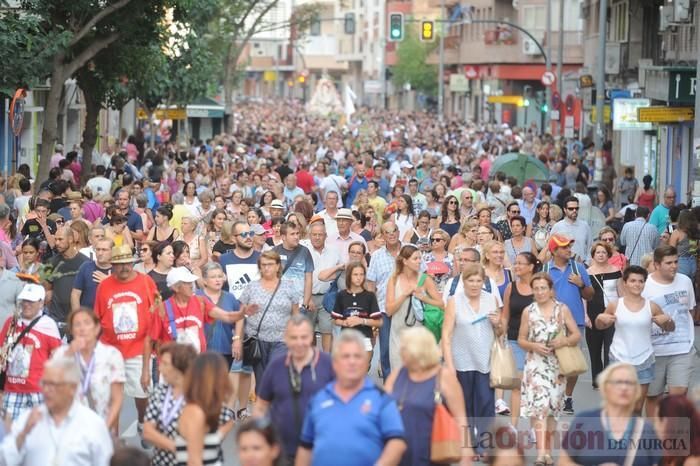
{"x":514,"y":211}
{"x":572,"y":208}
{"x":436,"y":240}
{"x":622,"y":383}
{"x":246,"y":234}
{"x":47,"y":384}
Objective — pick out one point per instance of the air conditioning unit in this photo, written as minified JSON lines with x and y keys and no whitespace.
{"x":585,"y":10}
{"x":681,"y":13}
{"x":665,"y":17}
{"x":530,"y":47}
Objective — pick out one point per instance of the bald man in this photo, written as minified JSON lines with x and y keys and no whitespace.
{"x":59,"y":284}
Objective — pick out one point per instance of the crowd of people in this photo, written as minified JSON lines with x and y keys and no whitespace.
{"x":319,"y":287}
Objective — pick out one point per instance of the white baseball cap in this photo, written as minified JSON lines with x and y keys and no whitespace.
{"x":180,"y":274}
{"x":32,"y":292}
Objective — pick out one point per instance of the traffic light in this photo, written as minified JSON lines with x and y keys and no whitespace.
{"x":349,"y":24}
{"x":301,"y":79}
{"x":427,"y":31}
{"x":541,"y":100}
{"x":395,"y":27}
{"x":527,"y":94}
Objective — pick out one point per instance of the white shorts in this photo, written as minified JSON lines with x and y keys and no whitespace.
{"x":133,"y":368}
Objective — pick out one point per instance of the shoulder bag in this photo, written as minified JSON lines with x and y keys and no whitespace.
{"x":571,"y":359}
{"x":504,"y":372}
{"x":252,"y":350}
{"x":432,"y":316}
{"x":446,"y":437}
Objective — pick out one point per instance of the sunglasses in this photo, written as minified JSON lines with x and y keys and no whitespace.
{"x":452,"y":203}
{"x":246,"y":234}
{"x":572,"y":208}
{"x":514,"y":211}
{"x":436,"y":240}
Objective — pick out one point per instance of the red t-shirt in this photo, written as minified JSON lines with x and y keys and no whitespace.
{"x":25,"y":364}
{"x":189,"y":323}
{"x":305,"y":181}
{"x":124,"y":310}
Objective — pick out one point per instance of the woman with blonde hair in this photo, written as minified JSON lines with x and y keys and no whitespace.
{"x":493,"y":259}
{"x":415,"y":386}
{"x":616,"y":422}
{"x":465,"y":237}
{"x":199,"y":254}
{"x":402,"y":289}
{"x":472,"y":321}
{"x":226,"y":243}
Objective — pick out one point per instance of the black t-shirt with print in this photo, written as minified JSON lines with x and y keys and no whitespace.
{"x":363,"y":305}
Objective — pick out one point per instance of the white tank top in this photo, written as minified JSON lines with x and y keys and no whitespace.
{"x":632,"y":340}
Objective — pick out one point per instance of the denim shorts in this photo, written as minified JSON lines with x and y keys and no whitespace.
{"x":237,"y":367}
{"x":645,"y":370}
{"x":519,"y":355}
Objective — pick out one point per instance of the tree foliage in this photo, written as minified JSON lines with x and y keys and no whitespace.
{"x":26,"y":50}
{"x":412,"y":67}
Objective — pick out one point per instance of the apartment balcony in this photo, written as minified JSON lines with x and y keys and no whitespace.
{"x":680,"y":44}
{"x":502,"y":45}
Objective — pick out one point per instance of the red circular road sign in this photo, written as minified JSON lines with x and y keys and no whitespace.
{"x":548,"y":78}
{"x":556,"y":100}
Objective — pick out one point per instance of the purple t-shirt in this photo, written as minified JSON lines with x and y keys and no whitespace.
{"x":287,"y":411}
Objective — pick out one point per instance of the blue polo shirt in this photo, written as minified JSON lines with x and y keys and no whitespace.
{"x":568,"y":293}
{"x":352,"y":433}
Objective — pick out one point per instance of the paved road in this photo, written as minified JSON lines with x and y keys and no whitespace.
{"x":584,"y":398}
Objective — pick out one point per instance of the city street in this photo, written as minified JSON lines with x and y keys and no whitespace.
{"x":584,"y":396}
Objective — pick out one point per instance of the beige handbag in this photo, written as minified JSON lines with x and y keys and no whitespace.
{"x":571,"y":359}
{"x":504,"y":372}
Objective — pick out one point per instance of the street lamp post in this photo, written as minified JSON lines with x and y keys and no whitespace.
{"x":441,"y":68}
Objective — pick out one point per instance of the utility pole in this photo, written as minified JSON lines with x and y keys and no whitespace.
{"x":441,"y":68}
{"x":600,"y":79}
{"x":382,"y":54}
{"x":695,"y":201}
{"x":560,"y":62}
{"x":548,"y":62}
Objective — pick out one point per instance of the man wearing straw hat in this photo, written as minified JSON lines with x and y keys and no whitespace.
{"x":123,"y":303}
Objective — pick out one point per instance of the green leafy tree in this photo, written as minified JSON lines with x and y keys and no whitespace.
{"x":411,"y":66}
{"x":235,"y":24}
{"x":26,"y":50}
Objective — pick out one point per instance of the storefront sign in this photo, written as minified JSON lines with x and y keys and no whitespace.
{"x":675,"y":85}
{"x":163,"y":114}
{"x":665,"y":114}
{"x":625,"y":114}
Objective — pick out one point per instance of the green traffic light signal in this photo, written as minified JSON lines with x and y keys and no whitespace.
{"x":526,"y":102}
{"x":396,"y":27}
{"x":545,"y":108}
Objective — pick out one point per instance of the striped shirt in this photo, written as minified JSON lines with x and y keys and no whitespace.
{"x":211,"y":453}
{"x":639,"y":238}
{"x":381,"y":266}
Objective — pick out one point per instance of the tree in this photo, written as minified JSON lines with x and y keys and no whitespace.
{"x":237,"y":21}
{"x":411,"y":66}
{"x":26,"y":50}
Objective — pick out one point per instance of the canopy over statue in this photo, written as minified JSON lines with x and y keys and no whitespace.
{"x":325,"y":100}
